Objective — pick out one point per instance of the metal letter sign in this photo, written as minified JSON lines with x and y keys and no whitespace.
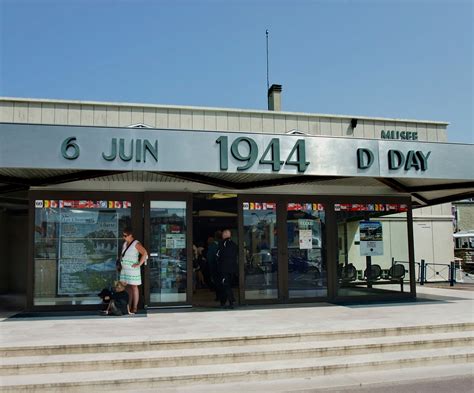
{"x":68,"y":145}
{"x":297,"y":156}
{"x":126,"y":149}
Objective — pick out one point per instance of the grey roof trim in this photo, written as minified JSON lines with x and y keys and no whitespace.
{"x":203,"y":108}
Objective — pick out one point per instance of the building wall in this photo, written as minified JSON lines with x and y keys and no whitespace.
{"x":433,"y":240}
{"x":465,"y":216}
{"x":433,"y":233}
{"x":211,"y":119}
{"x":443,"y":211}
{"x":432,"y":225}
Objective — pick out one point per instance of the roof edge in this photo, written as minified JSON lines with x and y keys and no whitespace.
{"x":142,"y":105}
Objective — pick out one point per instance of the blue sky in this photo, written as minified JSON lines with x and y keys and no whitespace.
{"x":403,"y":59}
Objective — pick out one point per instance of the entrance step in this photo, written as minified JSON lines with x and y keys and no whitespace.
{"x":377,"y":380}
{"x":215,"y":373}
{"x":232,"y":354}
{"x":237,"y":359}
{"x":231,"y":341}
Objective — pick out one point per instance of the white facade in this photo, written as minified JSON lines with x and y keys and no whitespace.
{"x":433,"y":226}
{"x":39,"y":111}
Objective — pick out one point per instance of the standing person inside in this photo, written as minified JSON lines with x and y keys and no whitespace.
{"x":212,"y":248}
{"x":134,"y":256}
{"x":227,"y":267}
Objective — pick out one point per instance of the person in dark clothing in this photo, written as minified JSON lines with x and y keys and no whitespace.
{"x":227,"y":267}
{"x":118,"y":301}
{"x":212,"y":248}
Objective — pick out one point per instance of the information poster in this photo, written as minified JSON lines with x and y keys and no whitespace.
{"x":306,"y":239}
{"x":175,"y":240}
{"x":371,"y":238}
{"x":88,"y":249}
{"x":314,"y":227}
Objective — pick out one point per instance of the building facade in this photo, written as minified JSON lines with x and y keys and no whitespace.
{"x":321,"y":206}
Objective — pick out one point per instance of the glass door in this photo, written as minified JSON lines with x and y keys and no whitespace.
{"x":260,"y":250}
{"x":307,"y":270}
{"x":167,"y":231}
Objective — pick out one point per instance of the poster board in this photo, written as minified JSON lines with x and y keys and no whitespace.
{"x":306,"y":239}
{"x":88,"y":248}
{"x":371,"y":238}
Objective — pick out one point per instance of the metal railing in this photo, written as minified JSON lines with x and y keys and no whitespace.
{"x":426,"y":271}
{"x":447,"y":272}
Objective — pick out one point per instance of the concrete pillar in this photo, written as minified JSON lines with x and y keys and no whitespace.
{"x":4,"y":259}
{"x":17,"y":238}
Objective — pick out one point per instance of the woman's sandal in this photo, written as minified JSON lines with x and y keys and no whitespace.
{"x":104,"y":312}
{"x":133,"y":310}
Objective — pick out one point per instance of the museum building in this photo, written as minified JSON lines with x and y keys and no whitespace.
{"x":322,"y":207}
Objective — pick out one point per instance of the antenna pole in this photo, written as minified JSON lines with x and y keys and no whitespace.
{"x":268,"y":83}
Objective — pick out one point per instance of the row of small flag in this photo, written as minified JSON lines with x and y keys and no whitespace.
{"x":370,"y":207}
{"x":81,"y":204}
{"x":289,"y":207}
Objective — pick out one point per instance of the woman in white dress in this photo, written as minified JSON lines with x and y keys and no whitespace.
{"x":133,"y":256}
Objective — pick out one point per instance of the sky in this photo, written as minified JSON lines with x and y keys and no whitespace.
{"x":386,"y":58}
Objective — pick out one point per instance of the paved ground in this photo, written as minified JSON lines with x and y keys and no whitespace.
{"x":458,"y":287}
{"x":453,"y":385}
{"x":433,"y":306}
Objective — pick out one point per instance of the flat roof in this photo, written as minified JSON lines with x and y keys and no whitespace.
{"x":141,"y":105}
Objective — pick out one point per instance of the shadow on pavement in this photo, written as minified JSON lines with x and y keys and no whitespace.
{"x":39,"y":315}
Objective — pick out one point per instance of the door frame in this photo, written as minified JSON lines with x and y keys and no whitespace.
{"x":258,"y":198}
{"x":136,"y":221}
{"x":281,"y":226}
{"x":169,"y":196}
{"x":326,"y":242}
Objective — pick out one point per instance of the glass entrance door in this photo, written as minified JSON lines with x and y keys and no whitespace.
{"x":168,"y":251}
{"x":260,"y":250}
{"x":307,"y":271}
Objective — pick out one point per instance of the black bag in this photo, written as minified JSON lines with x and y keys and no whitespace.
{"x":105,"y":293}
{"x":118,"y":262}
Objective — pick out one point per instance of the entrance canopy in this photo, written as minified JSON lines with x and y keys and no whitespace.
{"x":44,"y":155}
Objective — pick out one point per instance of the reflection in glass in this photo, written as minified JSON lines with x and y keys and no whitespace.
{"x":76,"y":245}
{"x":168,"y":258}
{"x":307,"y":272}
{"x":260,"y":250}
{"x":373,"y":249}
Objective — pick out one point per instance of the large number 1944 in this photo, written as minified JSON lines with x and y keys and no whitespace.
{"x":271,"y":155}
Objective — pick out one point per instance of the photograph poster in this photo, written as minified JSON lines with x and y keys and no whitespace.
{"x":371,"y":238}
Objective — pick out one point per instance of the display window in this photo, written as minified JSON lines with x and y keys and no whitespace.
{"x":76,"y":244}
{"x":373,"y":252}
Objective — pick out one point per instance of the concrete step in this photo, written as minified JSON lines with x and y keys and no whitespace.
{"x":149,"y":378}
{"x":231,"y":354}
{"x":377,"y":380}
{"x":221,"y":341}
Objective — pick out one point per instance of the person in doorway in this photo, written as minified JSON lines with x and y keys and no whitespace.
{"x":134,"y":256}
{"x":212,"y":247}
{"x":227,"y":267}
{"x":198,"y":263}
